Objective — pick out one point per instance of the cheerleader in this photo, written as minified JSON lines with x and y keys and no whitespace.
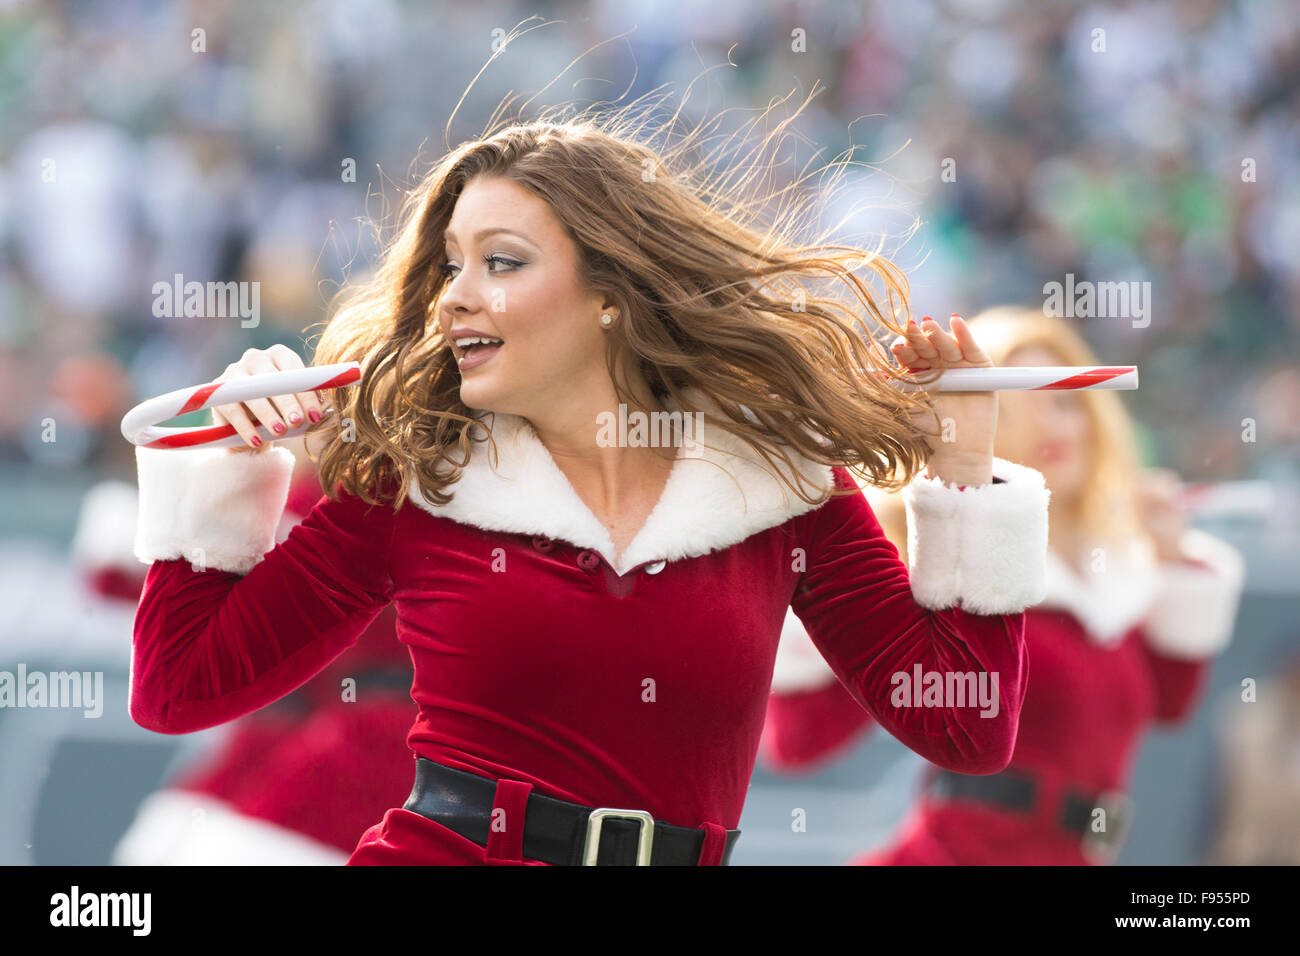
{"x":593,"y":606}
{"x":1137,"y":606}
{"x":296,"y":782}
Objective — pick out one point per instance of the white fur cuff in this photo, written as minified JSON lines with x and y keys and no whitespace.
{"x":1193,"y":613}
{"x":211,"y":507}
{"x":799,"y":665}
{"x":984,"y":547}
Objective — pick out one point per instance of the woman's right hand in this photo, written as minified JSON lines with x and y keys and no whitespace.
{"x":271,"y":413}
{"x":1161,"y":512}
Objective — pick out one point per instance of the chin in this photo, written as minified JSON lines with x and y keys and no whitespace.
{"x":488,"y":399}
{"x":478,"y":395}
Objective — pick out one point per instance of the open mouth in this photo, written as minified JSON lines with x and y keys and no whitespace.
{"x":475,"y":351}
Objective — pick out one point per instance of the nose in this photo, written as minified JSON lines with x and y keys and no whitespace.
{"x":461,"y":295}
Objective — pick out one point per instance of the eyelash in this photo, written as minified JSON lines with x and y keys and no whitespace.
{"x":514,"y":264}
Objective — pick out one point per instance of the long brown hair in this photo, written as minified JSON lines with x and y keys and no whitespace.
{"x":711,"y":298}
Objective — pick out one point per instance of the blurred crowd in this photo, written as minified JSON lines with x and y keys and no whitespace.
{"x":1145,"y":140}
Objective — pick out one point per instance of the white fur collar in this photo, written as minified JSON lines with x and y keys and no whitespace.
{"x":1110,"y":601}
{"x":703,"y":508}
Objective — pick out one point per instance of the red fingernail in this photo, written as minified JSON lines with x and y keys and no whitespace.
{"x":956,"y":315}
{"x":256,"y":440}
{"x":278,"y":428}
{"x":926,"y":318}
{"x":314,"y":415}
{"x":294,"y":418}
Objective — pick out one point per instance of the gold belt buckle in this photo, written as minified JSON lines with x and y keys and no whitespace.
{"x":644,"y":840}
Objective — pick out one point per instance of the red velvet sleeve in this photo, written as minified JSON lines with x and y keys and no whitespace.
{"x":808,"y":728}
{"x":212,"y":645}
{"x":1191,"y":621}
{"x":1178,"y":683}
{"x":857,"y":603}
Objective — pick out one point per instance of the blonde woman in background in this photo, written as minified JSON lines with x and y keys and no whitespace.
{"x":1138,"y":604}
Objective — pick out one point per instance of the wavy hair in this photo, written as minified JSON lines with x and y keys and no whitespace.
{"x":717,"y":286}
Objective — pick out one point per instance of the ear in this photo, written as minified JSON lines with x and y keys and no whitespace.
{"x":609,"y":303}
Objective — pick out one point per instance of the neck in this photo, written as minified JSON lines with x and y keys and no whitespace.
{"x":607,"y":473}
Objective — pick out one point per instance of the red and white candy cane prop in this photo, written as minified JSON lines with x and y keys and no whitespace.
{"x":1248,"y":499}
{"x":140,"y":424}
{"x":1034,"y":377}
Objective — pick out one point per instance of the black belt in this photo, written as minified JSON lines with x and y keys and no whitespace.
{"x":1102,"y":834}
{"x":555,"y":831}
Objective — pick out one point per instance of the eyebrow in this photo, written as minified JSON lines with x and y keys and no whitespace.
{"x":488,"y":232}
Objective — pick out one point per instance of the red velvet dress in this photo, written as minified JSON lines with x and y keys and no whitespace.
{"x":637,"y":680}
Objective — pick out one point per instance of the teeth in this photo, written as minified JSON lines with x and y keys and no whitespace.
{"x":466,"y":343}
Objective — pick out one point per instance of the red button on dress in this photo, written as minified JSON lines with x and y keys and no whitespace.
{"x":588,"y":560}
{"x":542,"y":543}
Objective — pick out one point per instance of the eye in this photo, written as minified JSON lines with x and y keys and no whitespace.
{"x":501,"y":260}
{"x":446,"y":269}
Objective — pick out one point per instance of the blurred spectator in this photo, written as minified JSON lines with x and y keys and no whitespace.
{"x":1259,"y":748}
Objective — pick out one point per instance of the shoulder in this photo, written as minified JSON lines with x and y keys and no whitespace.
{"x":848,"y":504}
{"x":382,"y":489}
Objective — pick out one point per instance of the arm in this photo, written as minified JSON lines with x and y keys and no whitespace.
{"x":1191,"y":620}
{"x":810,"y":716}
{"x":978,"y":558}
{"x":229,"y":621}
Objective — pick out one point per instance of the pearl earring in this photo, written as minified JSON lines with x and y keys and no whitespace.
{"x":606,"y":320}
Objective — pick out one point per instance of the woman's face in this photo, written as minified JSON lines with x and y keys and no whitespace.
{"x":1046,"y":430}
{"x":528,"y":296}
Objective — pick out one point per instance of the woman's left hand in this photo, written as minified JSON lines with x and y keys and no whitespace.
{"x":968,"y":421}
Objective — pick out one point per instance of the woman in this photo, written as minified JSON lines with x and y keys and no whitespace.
{"x":1137,"y":606}
{"x":592,"y":618}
